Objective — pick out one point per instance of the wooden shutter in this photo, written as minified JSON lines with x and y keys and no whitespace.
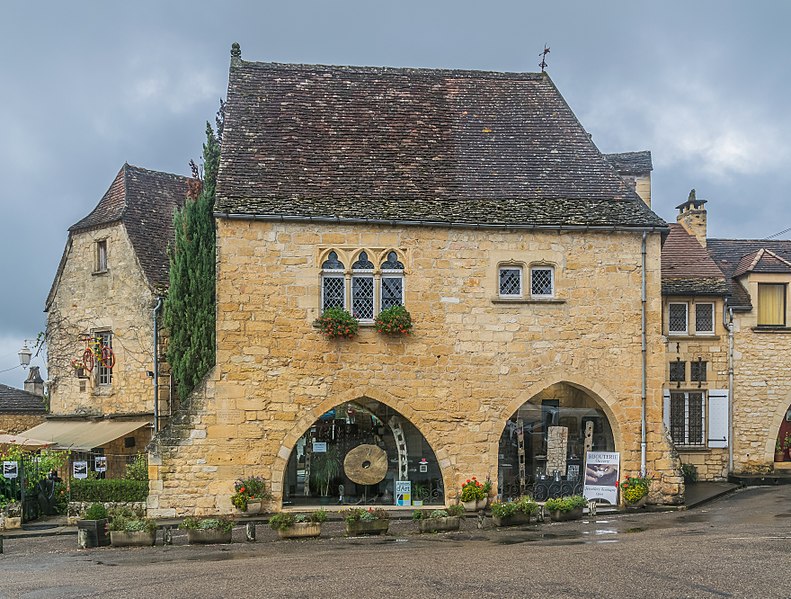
{"x":718,"y":418}
{"x":666,"y":409}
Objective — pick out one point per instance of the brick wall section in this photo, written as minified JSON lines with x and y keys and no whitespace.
{"x":17,"y":423}
{"x":469,"y":365}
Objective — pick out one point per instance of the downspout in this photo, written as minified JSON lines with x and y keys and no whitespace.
{"x":156,"y":366}
{"x":729,"y":326}
{"x":644,"y":364}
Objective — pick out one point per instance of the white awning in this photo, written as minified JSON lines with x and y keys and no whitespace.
{"x":84,"y":435}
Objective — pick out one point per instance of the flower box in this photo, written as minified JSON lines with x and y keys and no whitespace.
{"x":561,"y":516}
{"x":138,"y":538}
{"x":300,"y":530}
{"x":94,"y":533}
{"x":208,"y":536}
{"x":367,"y":527}
{"x":516,"y":519}
{"x":445,"y":524}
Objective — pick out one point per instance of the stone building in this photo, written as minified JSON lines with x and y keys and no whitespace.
{"x":479,"y":202}
{"x":22,"y":409}
{"x":726,"y":321}
{"x":111,"y":274}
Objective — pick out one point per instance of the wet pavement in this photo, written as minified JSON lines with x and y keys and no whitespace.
{"x":736,"y":546}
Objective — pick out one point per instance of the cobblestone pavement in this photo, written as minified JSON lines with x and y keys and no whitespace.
{"x":737,"y":546}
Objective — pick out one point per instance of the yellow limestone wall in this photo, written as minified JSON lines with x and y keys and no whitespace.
{"x":469,"y":365}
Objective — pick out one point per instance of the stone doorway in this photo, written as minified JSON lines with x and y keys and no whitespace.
{"x":782,"y":455}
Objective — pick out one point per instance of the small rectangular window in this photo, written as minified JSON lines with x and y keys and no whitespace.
{"x":704,"y":319}
{"x":104,"y":370}
{"x":771,"y":304}
{"x":510,"y":281}
{"x":697,"y":371}
{"x":687,"y":418}
{"x":542,"y":283}
{"x":101,"y":255}
{"x":129,"y":442}
{"x":677,"y":319}
{"x":678,"y":371}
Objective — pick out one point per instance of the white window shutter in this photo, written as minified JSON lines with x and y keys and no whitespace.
{"x":718,"y":418}
{"x":666,"y":409}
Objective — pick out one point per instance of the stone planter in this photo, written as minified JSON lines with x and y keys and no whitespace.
{"x":367,"y":527}
{"x":475,"y":504}
{"x":558,"y":516}
{"x":440,"y":524}
{"x":516,"y":519}
{"x":92,"y":533}
{"x":253,"y":508}
{"x":300,"y":530}
{"x":639,"y":504}
{"x":138,"y":538}
{"x":209,"y":536}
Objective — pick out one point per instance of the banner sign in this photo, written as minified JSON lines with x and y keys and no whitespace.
{"x":319,"y":447}
{"x":403,"y":492}
{"x":10,"y":470}
{"x":601,"y":476}
{"x":100,"y":463}
{"x":80,"y":470}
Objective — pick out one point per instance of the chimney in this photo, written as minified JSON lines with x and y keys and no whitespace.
{"x":692,"y":216}
{"x":34,"y":383}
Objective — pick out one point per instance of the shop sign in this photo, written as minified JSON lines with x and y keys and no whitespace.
{"x":403,"y":492}
{"x":601,"y":476}
{"x":100,"y":463}
{"x":10,"y":469}
{"x":80,"y":470}
{"x":319,"y":447}
{"x":423,"y":465}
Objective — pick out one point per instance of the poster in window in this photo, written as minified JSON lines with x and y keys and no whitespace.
{"x":80,"y":470}
{"x":601,"y":476}
{"x":403,"y":492}
{"x":100,"y":463}
{"x":319,"y":447}
{"x":10,"y":470}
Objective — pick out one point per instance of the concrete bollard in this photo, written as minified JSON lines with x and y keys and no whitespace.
{"x":592,"y":509}
{"x":540,"y":514}
{"x":1,"y":544}
{"x":251,"y":532}
{"x":167,"y":536}
{"x":82,"y":538}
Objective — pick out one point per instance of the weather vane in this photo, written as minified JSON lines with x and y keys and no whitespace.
{"x":543,"y":55}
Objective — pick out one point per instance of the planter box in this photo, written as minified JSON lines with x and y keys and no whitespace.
{"x":367,"y":527}
{"x":558,"y":516}
{"x":210,"y":536}
{"x":516,"y":519}
{"x":138,"y":538}
{"x":300,"y":530}
{"x":475,"y":504}
{"x":95,"y":532}
{"x":440,"y":524}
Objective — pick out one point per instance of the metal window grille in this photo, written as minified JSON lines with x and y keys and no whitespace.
{"x":333,"y":293}
{"x":686,"y":418}
{"x":541,"y":281}
{"x":510,"y":281}
{"x":363,"y":297}
{"x":101,"y":255}
{"x":392,"y":292}
{"x":704,"y":318}
{"x":677,"y":318}
{"x":105,"y":375}
{"x":678,"y":371}
{"x":697,"y":371}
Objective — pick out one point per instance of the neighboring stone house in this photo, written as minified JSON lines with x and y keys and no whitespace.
{"x":707,"y":284}
{"x":22,"y":409}
{"x":635,"y":168}
{"x":479,"y":202}
{"x":113,"y":270}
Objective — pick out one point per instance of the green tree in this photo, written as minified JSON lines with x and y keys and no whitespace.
{"x":190,"y":303}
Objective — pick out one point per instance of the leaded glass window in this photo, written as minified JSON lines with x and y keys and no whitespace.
{"x":686,"y":418}
{"x":510,"y":281}
{"x":333,"y":283}
{"x":542,"y":282}
{"x":363,"y":297}
{"x":332,"y":262}
{"x":363,"y":263}
{"x":677,"y":319}
{"x":678,"y":371}
{"x":392,"y":291}
{"x":392,"y":262}
{"x":697,"y":371}
{"x":704,"y":318}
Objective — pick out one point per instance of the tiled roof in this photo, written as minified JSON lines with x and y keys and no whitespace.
{"x":417,"y":145}
{"x":16,"y":400}
{"x":687,"y":269}
{"x":729,"y":254}
{"x":631,"y":163}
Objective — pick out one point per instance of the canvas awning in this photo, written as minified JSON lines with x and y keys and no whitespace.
{"x":23,"y":442}
{"x":84,"y":435}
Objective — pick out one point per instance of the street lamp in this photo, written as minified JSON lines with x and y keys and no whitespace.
{"x":24,"y":356}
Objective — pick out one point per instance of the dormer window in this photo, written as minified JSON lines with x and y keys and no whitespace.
{"x":772,"y":304}
{"x":101,"y":256}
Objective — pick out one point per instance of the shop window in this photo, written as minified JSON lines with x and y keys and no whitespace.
{"x":510,"y":281}
{"x":542,"y":281}
{"x":678,"y":371}
{"x":704,"y":319}
{"x":687,"y":417}
{"x":333,"y":283}
{"x":677,"y":319}
{"x":104,"y":373}
{"x":771,"y":304}
{"x":697,"y":371}
{"x":392,"y":286}
{"x":363,"y":288}
{"x":101,"y":256}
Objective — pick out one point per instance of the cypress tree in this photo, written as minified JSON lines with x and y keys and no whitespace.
{"x":190,"y":303}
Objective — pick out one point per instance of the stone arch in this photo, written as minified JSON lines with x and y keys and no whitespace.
{"x":343,"y":257}
{"x":355,"y":255}
{"x":312,"y":415}
{"x":774,"y":428}
{"x":382,"y":256}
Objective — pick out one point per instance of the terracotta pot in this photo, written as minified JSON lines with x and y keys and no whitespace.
{"x":300,"y":530}
{"x":516,"y":519}
{"x":367,"y":527}
{"x":558,"y":516}
{"x":139,"y":538}
{"x":779,"y":456}
{"x":440,"y":524}
{"x":210,"y":536}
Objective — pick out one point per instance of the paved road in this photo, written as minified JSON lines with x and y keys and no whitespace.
{"x":737,"y":546}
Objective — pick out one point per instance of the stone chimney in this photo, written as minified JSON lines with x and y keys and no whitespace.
{"x":34,"y":383}
{"x":692,"y":216}
{"x":635,"y":169}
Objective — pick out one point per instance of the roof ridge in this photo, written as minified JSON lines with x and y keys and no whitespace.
{"x":771,"y":253}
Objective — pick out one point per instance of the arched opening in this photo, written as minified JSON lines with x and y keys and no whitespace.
{"x":782,"y":456}
{"x":355,"y":453}
{"x":542,"y":447}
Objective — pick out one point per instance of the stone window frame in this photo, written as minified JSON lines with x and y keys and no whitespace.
{"x":684,"y":440}
{"x":391,"y":273}
{"x":710,"y":331}
{"x":764,"y":285}
{"x":332,"y":273}
{"x":679,"y":374}
{"x":534,"y":266}
{"x":671,"y":331}
{"x":100,"y":256}
{"x":511,"y":265}
{"x":359,"y":273}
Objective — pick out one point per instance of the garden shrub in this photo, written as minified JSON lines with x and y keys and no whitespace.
{"x":107,"y":490}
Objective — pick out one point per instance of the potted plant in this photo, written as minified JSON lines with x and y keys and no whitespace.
{"x":419,"y":494}
{"x":395,"y":320}
{"x":205,"y":531}
{"x":298,"y":526}
{"x":634,"y":491}
{"x":92,"y":527}
{"x":360,"y":521}
{"x":249,"y":495}
{"x":324,"y":468}
{"x":132,"y":531}
{"x":779,"y":450}
{"x":10,"y":514}
{"x":513,"y":513}
{"x":445,"y":520}
{"x":474,"y":495}
{"x":565,"y":508}
{"x":337,"y":322}
{"x":787,"y":444}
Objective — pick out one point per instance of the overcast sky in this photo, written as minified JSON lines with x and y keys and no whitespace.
{"x":87,"y":86}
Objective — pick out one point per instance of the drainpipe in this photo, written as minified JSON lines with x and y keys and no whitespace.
{"x":644,"y":365}
{"x":156,"y":366}
{"x":729,"y":326}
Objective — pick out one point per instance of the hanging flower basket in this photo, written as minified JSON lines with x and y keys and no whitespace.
{"x":394,"y":321}
{"x":337,"y":323}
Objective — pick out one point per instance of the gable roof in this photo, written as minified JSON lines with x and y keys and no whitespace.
{"x":736,"y":257}
{"x":413,"y":146}
{"x":144,"y":201}
{"x":687,"y":268}
{"x":631,"y":163}
{"x":16,"y":400}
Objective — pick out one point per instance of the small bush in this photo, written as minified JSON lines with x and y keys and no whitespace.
{"x":690,"y":472}
{"x":137,"y":469}
{"x":106,"y":490}
{"x":132,"y":524}
{"x":438,"y":514}
{"x":418,"y":515}
{"x":360,"y":514}
{"x":193,"y":523}
{"x":96,"y":512}
{"x":395,"y":320}
{"x":337,"y":322}
{"x":282,"y":521}
{"x":455,"y":510}
{"x":565,"y":504}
